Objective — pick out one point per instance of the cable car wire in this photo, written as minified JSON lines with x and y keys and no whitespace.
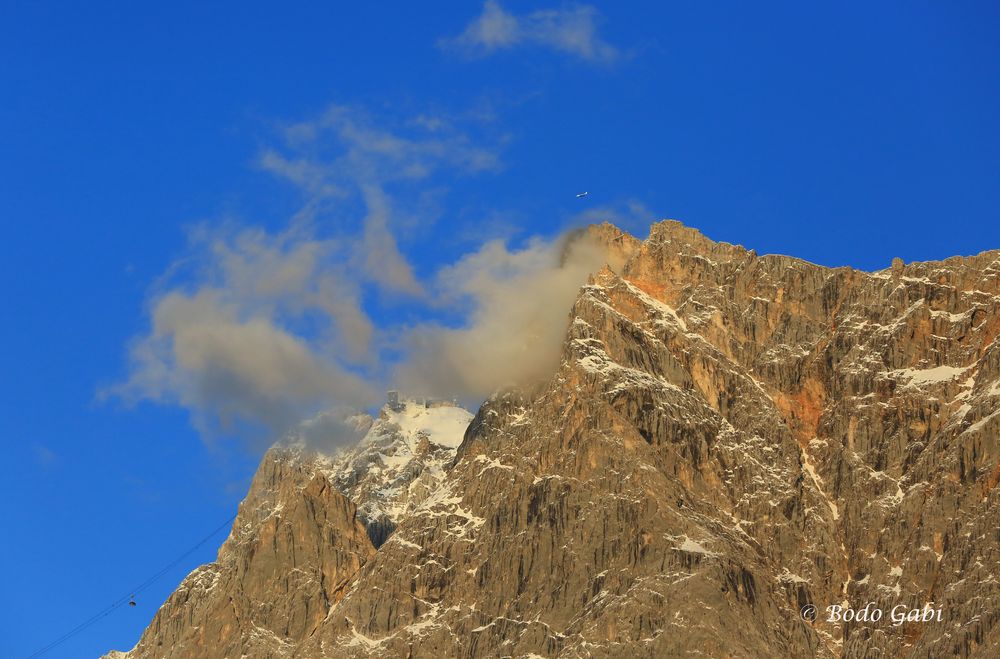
{"x":129,"y":599}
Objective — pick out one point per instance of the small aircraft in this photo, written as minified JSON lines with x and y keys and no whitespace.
{"x":582,"y":195}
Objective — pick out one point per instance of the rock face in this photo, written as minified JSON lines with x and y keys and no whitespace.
{"x":729,"y":437}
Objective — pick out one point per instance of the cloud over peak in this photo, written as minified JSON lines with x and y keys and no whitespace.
{"x":572,"y":31}
{"x":253,"y":330}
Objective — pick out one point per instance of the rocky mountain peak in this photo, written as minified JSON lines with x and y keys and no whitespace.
{"x":399,"y":462}
{"x":728,"y":438}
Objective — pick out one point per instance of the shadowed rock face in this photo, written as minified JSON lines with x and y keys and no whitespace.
{"x":728,"y":438}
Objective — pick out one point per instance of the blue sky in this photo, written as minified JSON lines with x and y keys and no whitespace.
{"x":139,"y":141}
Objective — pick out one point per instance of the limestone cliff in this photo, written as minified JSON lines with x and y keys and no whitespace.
{"x":729,"y":437}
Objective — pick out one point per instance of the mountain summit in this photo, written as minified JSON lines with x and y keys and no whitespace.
{"x":399,"y":462}
{"x":729,"y":440}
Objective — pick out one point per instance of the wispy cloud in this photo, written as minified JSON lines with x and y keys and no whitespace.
{"x":253,"y":330}
{"x":516,"y":304}
{"x":44,"y":456}
{"x":631,"y":215}
{"x":344,"y":154}
{"x":572,"y":31}
{"x":258,"y":328}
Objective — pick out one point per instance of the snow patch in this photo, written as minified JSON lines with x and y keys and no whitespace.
{"x":818,"y":482}
{"x":790,"y":577}
{"x":926,"y":376}
{"x":694,"y":547}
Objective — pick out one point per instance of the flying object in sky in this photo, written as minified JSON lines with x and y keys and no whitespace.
{"x":582,"y":195}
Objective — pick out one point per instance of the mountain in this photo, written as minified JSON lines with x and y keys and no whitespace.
{"x":298,"y":539}
{"x":728,"y":438}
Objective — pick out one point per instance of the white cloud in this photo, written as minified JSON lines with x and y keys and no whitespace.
{"x":254,"y":330}
{"x":257,"y":329}
{"x":382,"y":259}
{"x":365,"y":152}
{"x":271,"y":329}
{"x":572,"y":31}
{"x":345,"y":155}
{"x":517,"y":306}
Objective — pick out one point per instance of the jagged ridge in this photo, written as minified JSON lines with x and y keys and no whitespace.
{"x":729,"y":436}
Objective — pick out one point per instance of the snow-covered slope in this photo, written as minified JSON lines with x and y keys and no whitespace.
{"x":398,"y":463}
